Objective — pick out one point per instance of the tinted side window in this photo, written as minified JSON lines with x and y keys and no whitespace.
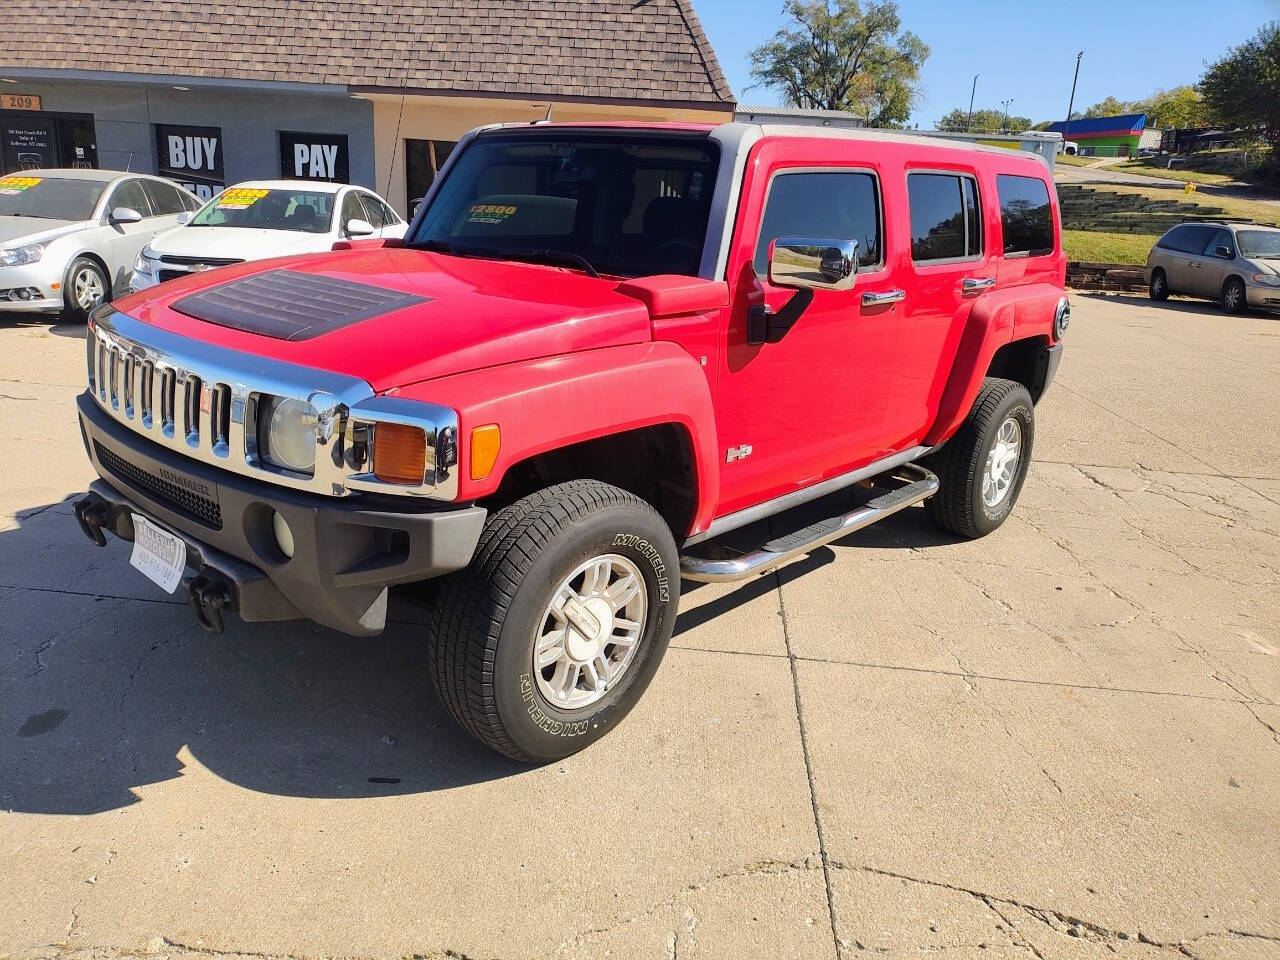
{"x":1173,"y":239}
{"x":1193,"y":239}
{"x":827,"y":206}
{"x":1219,"y":238}
{"x":944,"y":220}
{"x":1025,"y":215}
{"x":165,"y":198}
{"x":130,"y":194}
{"x":373,"y":211}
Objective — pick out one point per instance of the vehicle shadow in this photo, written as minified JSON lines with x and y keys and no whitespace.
{"x":108,"y":687}
{"x":1175,"y":303}
{"x":44,"y":321}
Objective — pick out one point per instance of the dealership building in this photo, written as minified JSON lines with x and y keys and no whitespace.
{"x":363,"y":92}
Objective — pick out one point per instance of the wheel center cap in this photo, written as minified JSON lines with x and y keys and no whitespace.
{"x":590,"y":625}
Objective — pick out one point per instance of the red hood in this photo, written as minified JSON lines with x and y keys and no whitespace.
{"x":480,"y":313}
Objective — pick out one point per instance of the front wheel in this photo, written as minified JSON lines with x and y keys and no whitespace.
{"x":85,"y":287}
{"x":551,"y":635}
{"x":1233,"y":296}
{"x":982,"y":468}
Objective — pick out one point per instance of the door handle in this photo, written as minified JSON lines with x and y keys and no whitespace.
{"x":976,"y":284}
{"x":883,"y":298}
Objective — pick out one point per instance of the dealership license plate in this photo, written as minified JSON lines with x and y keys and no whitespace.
{"x":158,"y":554}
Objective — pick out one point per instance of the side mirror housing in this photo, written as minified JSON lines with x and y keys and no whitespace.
{"x":358,"y":228}
{"x":807,"y":263}
{"x":1225,"y":253}
{"x":184,"y":217}
{"x":125,"y":215}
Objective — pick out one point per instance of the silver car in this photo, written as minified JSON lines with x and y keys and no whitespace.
{"x":69,"y":238}
{"x":1237,"y":264}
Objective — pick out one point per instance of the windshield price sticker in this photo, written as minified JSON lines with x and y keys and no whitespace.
{"x":240,"y":199}
{"x":11,"y":186}
{"x":490,"y":213}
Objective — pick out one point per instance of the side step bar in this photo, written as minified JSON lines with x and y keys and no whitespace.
{"x":921,"y":485}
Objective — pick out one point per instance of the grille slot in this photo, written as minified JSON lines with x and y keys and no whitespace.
{"x":168,"y":387}
{"x":193,"y":391}
{"x":220,"y":417}
{"x":179,"y":499}
{"x":146,"y":375}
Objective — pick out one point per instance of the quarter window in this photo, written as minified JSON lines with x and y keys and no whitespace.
{"x":945,"y":223}
{"x":1025,"y":216}
{"x":826,"y":206}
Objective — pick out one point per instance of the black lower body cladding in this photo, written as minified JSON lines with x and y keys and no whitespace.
{"x":347,"y":552}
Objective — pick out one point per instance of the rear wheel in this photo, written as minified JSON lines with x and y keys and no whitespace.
{"x":551,"y":635}
{"x":1159,"y":285}
{"x":1233,"y":296}
{"x":982,"y":468}
{"x":85,"y":287}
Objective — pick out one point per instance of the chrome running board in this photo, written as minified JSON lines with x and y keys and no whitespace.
{"x":920,"y":484}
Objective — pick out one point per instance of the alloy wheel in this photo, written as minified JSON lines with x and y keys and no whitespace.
{"x":1003,"y":462}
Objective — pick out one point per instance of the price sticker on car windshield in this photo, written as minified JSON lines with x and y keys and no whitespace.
{"x":490,"y":213}
{"x":11,"y":186}
{"x":240,"y":198}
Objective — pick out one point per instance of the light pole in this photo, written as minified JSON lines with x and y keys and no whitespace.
{"x":1066,"y":127}
{"x":1005,"y":120}
{"x":968,"y":127}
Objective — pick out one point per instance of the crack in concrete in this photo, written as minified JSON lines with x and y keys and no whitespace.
{"x":52,"y":640}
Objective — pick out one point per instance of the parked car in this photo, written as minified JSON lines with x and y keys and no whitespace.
{"x":265,"y":218}
{"x":1070,"y":147}
{"x":1237,"y":264}
{"x":599,"y":350}
{"x":69,"y":238}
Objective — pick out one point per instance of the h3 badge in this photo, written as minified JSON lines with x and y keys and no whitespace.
{"x":734,"y":454}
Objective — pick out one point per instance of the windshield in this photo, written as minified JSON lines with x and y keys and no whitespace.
{"x":52,"y":198}
{"x":1263,"y":244}
{"x":620,"y":204}
{"x":260,"y":209}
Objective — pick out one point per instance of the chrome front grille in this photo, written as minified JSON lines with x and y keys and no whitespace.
{"x":200,"y":401}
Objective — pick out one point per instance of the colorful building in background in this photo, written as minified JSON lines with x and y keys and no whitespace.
{"x":1108,"y":136}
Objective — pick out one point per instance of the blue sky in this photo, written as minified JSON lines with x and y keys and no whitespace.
{"x":1025,"y":50}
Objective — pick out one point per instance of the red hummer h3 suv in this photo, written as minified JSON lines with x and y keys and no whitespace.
{"x":598,"y":349}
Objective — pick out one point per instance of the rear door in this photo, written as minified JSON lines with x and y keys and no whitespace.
{"x":1185,"y":257}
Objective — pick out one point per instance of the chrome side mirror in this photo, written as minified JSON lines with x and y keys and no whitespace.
{"x":358,"y":228}
{"x":807,"y":263}
{"x":125,"y":215}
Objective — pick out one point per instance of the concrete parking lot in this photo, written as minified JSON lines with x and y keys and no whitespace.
{"x":1060,"y":741}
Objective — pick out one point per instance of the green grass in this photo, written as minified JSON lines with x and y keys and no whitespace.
{"x":1108,"y":247}
{"x":1074,"y":161}
{"x":1181,"y":174}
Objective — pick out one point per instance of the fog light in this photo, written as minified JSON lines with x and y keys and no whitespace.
{"x":284,"y":536}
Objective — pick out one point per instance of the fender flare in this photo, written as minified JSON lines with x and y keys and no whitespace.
{"x":543,"y":405}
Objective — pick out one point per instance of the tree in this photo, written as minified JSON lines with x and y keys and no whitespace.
{"x":1179,"y":107}
{"x":1243,"y":88}
{"x":842,"y":55}
{"x":984,"y":121}
{"x":1110,"y":107}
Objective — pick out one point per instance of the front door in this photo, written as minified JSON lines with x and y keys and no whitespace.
{"x":822,"y":400}
{"x":1214,"y":264}
{"x":128,"y":239}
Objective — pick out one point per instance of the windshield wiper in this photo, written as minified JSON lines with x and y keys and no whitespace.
{"x":552,"y":256}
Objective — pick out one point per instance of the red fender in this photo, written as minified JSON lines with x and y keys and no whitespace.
{"x":542,"y":405}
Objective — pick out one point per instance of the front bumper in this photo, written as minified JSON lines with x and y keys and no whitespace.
{"x":38,"y":279}
{"x":1261,"y":296}
{"x":346,"y":553}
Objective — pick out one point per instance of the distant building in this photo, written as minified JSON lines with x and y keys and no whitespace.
{"x":1120,"y":136}
{"x":798,"y":116}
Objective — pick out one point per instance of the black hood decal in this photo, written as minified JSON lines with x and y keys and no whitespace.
{"x":290,"y":305}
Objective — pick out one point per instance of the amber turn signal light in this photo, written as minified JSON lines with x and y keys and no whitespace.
{"x":399,"y":453}
{"x":486,"y":441}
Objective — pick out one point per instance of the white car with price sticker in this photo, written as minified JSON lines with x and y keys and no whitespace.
{"x":259,"y":219}
{"x":69,"y":238}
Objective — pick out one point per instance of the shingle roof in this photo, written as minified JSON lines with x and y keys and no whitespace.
{"x":639,"y":50}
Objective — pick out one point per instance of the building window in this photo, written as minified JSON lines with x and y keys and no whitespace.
{"x":945,"y":224}
{"x":1025,"y":216}
{"x":827,"y":206}
{"x":424,"y":160}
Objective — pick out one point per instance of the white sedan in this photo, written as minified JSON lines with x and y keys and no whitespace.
{"x":69,"y":238}
{"x":265,"y":218}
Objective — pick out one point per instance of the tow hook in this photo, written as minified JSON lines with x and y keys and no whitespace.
{"x":93,"y":513}
{"x":209,"y":597}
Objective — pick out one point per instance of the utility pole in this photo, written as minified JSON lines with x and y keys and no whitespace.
{"x":1004,"y":122}
{"x":968,"y":127}
{"x":1066,"y":127}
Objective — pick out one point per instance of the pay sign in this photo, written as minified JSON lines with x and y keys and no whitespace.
{"x":314,"y":156}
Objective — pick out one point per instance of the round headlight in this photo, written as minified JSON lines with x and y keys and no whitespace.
{"x":289,"y":428}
